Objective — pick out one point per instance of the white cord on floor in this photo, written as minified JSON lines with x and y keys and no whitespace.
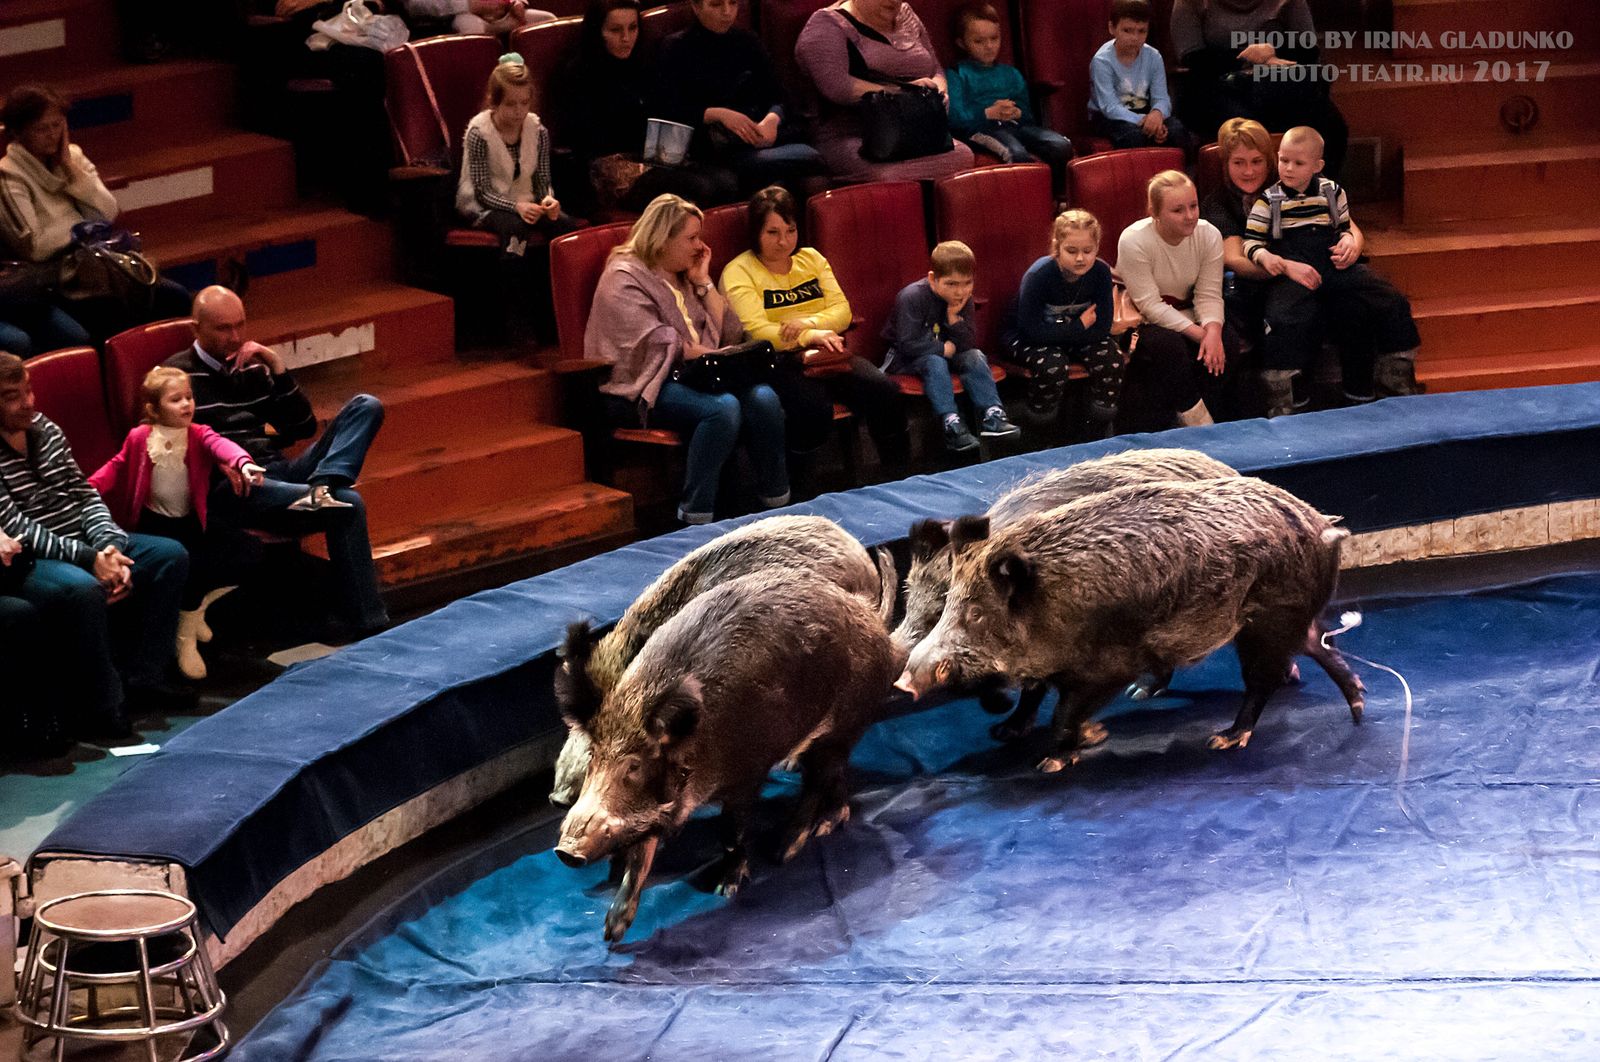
{"x":1349,"y":621}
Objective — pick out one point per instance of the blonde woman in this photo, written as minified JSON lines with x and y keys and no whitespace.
{"x":1171,"y":263}
{"x":655,"y":308}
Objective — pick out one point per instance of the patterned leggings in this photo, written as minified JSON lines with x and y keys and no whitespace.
{"x":1048,"y":367}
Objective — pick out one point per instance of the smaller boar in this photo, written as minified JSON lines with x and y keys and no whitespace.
{"x":800,"y":544}
{"x":928,"y":580}
{"x":1139,"y":580}
{"x":763,"y":668}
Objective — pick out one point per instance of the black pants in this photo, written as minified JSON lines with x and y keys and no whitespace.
{"x":218,"y":556}
{"x":865,"y":391}
{"x":1358,"y":302}
{"x":1166,"y":377}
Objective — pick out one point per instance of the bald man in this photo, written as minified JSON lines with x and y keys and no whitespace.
{"x":240,"y":388}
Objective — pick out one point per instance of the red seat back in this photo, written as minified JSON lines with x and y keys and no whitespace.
{"x":545,"y":49}
{"x":725,"y":232}
{"x":457,"y":68}
{"x":1112,"y":188}
{"x":1004,"y":214}
{"x":781,"y":23}
{"x":1208,"y":167}
{"x":132,"y":354}
{"x":68,"y":388}
{"x":1059,"y":39}
{"x":874,"y":238}
{"x":576,"y":262}
{"x":938,"y":16}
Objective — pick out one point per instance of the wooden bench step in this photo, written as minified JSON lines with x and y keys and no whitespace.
{"x":1492,"y":323}
{"x":1526,"y":181}
{"x":200,"y":180}
{"x":383,"y":323}
{"x":1496,"y":256}
{"x":1510,"y":369}
{"x":122,"y":110}
{"x":40,"y":38}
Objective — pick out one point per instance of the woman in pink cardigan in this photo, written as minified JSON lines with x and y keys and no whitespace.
{"x":157,"y":485}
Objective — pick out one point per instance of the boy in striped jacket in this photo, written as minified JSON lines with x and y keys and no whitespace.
{"x":1299,"y":231}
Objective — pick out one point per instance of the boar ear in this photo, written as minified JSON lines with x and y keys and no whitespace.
{"x":676,"y":715}
{"x":1014,"y":575}
{"x":967,"y":530}
{"x":576,"y":694}
{"x":929,"y":537}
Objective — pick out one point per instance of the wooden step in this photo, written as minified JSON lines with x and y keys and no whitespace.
{"x":299,"y":252}
{"x":1538,"y":180}
{"x":1444,"y":111}
{"x":1448,"y":28}
{"x":421,"y":403}
{"x":1497,"y":256}
{"x":41,"y":38}
{"x":566,"y":517}
{"x":383,"y":323}
{"x":126,"y":109}
{"x":1490,"y":323}
{"x":200,"y":180}
{"x":1577,"y":365}
{"x":463,"y":472}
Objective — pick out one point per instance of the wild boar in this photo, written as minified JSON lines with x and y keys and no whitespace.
{"x":1139,"y":580}
{"x":800,"y":544}
{"x":769,"y":666}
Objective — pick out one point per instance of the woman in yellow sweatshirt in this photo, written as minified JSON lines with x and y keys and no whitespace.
{"x":787,"y":295}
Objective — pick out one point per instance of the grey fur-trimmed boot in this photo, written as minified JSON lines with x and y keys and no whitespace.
{"x":1396,"y":374}
{"x":1278,"y":387}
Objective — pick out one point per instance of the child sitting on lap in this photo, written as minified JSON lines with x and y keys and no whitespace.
{"x":989,"y":104}
{"x":1300,"y":232}
{"x":931,"y":335}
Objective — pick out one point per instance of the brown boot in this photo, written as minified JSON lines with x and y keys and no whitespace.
{"x":1396,"y":374}
{"x":1277,"y":385}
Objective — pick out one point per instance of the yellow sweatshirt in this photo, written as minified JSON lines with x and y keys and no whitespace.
{"x":765,"y":301}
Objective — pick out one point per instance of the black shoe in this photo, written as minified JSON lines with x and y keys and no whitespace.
{"x":112,"y":735}
{"x":149,"y":702}
{"x":957,"y":439}
{"x":996,"y":426}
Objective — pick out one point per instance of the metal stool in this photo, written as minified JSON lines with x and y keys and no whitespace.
{"x":141,"y":938}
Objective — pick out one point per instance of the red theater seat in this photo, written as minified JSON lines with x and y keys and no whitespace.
{"x":132,"y":354}
{"x":724,"y":231}
{"x":1059,"y":39}
{"x":69,"y":389}
{"x":1004,"y":214}
{"x":1112,"y":188}
{"x":781,"y":23}
{"x":1208,"y":167}
{"x":428,"y":124}
{"x":545,"y":48}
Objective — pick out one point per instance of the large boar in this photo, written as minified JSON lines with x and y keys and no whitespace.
{"x":928,"y":580}
{"x":1139,"y":580}
{"x":766,"y":667}
{"x":810,"y":545}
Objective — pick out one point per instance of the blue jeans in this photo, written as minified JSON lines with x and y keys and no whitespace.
{"x":1132,"y":135}
{"x":334,"y":460}
{"x":970,"y":365}
{"x":36,"y":331}
{"x":1027,"y":143}
{"x":715,"y":424}
{"x":132,"y":641}
{"x":783,"y":164}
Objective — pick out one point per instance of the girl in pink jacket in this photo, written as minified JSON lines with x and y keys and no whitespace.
{"x":157,"y":484}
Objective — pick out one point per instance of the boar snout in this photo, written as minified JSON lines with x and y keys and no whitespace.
{"x":920,"y":677}
{"x":572,"y":859}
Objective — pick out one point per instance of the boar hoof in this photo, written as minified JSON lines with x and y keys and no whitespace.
{"x":618,"y":919}
{"x":1357,"y":706}
{"x":1294,"y":672}
{"x":1056,"y":764}
{"x":1092,"y":734}
{"x":1230,"y":739}
{"x":1141,"y":691}
{"x":828,"y":823}
{"x":734,"y":878}
{"x":796,"y":843}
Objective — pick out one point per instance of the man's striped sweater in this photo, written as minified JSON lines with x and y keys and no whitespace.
{"x":48,"y":505}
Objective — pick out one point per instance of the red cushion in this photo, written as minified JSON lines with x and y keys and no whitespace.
{"x":726,"y":233}
{"x":132,"y":354}
{"x":576,"y":262}
{"x":1112,"y":188}
{"x":874,"y":238}
{"x":648,"y":436}
{"x":1004,"y":214}
{"x":1059,"y":39}
{"x":68,"y":388}
{"x":458,"y":69}
{"x":545,"y":49}
{"x":470,"y":238}
{"x":912,"y":385}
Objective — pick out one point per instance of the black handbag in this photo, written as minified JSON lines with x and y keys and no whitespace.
{"x":907,"y":124}
{"x":729,"y":369}
{"x":104,"y":263}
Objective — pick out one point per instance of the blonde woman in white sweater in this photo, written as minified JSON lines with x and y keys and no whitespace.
{"x":1171,"y":263}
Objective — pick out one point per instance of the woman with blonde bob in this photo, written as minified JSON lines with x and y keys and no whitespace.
{"x":656,"y":308}
{"x":1171,"y":263}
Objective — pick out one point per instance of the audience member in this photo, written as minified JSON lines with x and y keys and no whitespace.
{"x":494,"y":17}
{"x":855,"y":47}
{"x":989,"y":103}
{"x":33,"y":326}
{"x":1299,"y":231}
{"x":656,"y":307}
{"x":931,"y":335}
{"x":157,"y":484}
{"x":48,"y":186}
{"x":606,"y":93}
{"x":717,"y":77}
{"x":1063,"y":315}
{"x":1221,"y":82}
{"x":113,"y":597}
{"x":241,"y":389}
{"x":1128,"y":101}
{"x":787,"y":295}
{"x":1171,"y":263}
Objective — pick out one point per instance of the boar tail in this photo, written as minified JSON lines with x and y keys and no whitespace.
{"x":888,"y":585}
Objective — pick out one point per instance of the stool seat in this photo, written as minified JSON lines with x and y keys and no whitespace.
{"x":116,"y":914}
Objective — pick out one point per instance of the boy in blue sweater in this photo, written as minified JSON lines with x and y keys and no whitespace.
{"x":931,"y":335}
{"x":989,"y":104}
{"x":1128,"y":100}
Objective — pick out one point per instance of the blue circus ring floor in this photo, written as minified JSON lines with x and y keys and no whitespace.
{"x":1157,"y":901}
